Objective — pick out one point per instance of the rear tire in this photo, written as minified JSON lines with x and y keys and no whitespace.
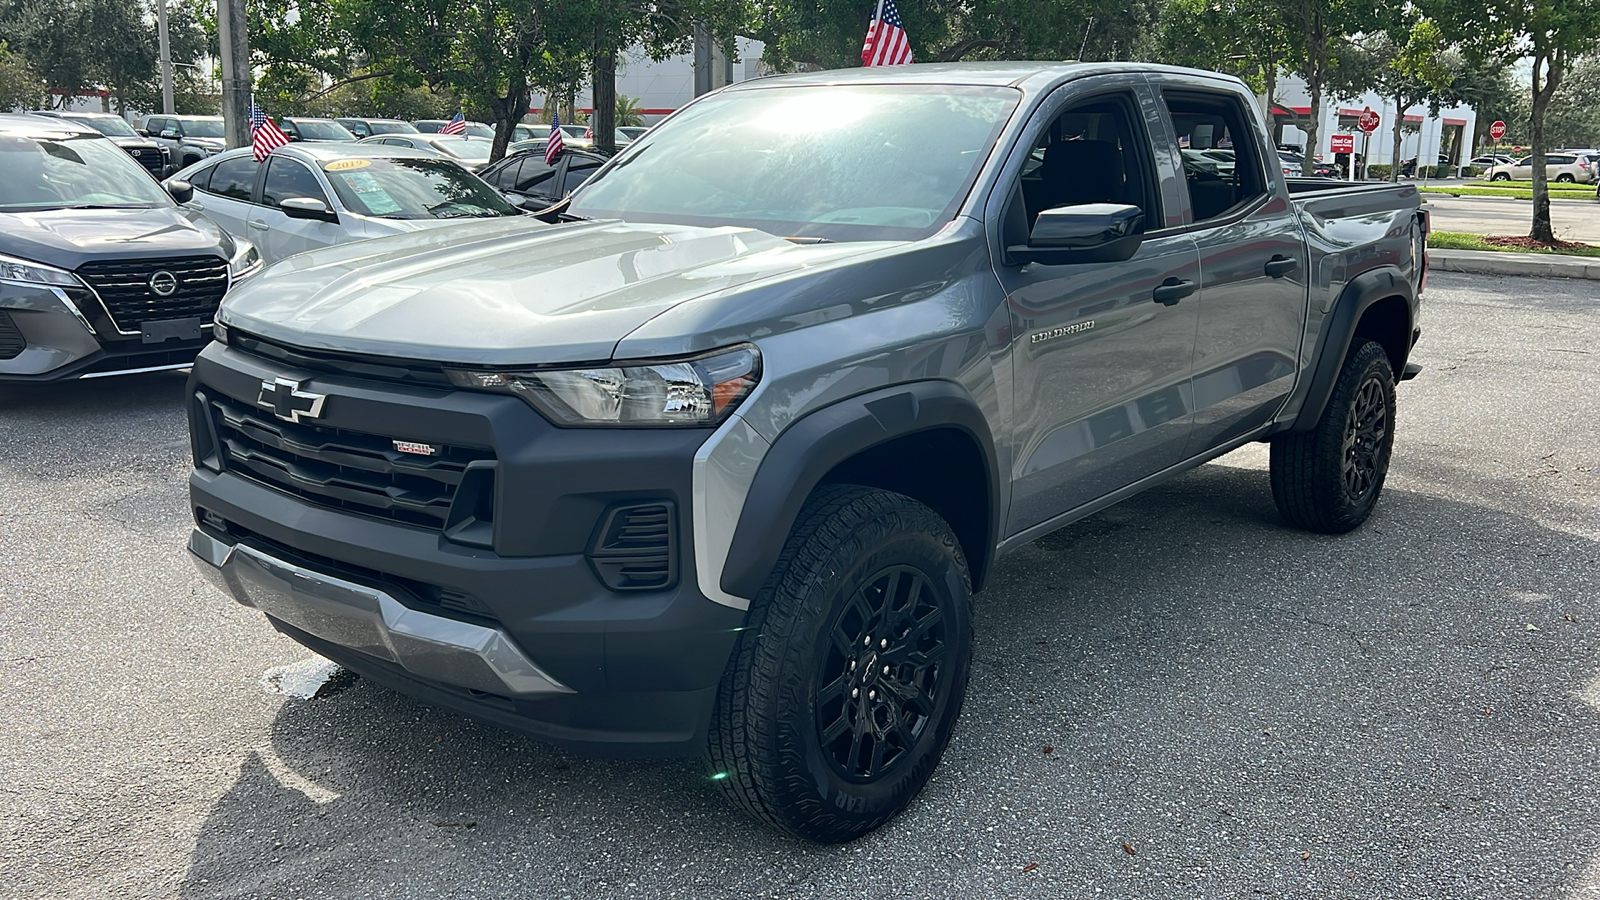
{"x":847,"y":679}
{"x":1327,"y":479}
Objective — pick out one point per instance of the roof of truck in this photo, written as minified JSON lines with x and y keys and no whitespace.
{"x":1024,"y":74}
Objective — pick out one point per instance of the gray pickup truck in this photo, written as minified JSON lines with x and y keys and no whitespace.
{"x":714,"y":462}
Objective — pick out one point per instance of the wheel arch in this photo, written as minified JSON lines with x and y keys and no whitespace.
{"x":927,"y":440}
{"x":1376,"y":305}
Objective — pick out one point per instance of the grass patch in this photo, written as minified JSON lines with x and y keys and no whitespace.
{"x":1516,"y":193}
{"x":1457,"y":240}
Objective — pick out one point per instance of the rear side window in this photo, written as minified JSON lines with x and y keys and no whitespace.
{"x":1559,"y":160}
{"x":1218,"y":147}
{"x":234,"y":178}
{"x":578,"y":171}
{"x":535,"y":177}
{"x":287,"y":179}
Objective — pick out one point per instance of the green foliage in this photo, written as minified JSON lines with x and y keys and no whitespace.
{"x":628,"y":111}
{"x":20,"y":86}
{"x":1379,"y":171}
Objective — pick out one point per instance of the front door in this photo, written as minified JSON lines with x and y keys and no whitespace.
{"x":1100,"y":367}
{"x":1252,"y":301}
{"x":274,"y":233}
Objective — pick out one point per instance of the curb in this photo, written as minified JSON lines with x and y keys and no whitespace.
{"x":1489,"y":262}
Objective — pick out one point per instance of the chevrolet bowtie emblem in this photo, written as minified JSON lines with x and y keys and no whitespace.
{"x":288,"y":402}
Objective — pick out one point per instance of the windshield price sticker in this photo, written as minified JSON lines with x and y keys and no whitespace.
{"x":345,"y":165}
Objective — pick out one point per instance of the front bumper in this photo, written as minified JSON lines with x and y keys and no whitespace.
{"x":46,"y":337}
{"x":371,"y":621}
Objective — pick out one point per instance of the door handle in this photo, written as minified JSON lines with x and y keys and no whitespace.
{"x":1169,"y":292}
{"x":259,"y":226}
{"x":1279,"y":265}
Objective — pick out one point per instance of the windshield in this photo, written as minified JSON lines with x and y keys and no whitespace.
{"x":41,"y":173}
{"x":471,"y":150}
{"x":322,"y":130}
{"x":211,"y":128}
{"x":856,"y":162}
{"x":413,"y":189}
{"x":108,"y":126}
{"x":380,"y":127}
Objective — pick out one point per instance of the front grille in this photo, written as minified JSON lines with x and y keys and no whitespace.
{"x":634,"y":548}
{"x":149,"y":157}
{"x":11,"y":340}
{"x":124,"y":287}
{"x":340,"y":469}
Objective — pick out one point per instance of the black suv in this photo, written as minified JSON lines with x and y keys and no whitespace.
{"x":101,"y":271}
{"x":155,"y":158}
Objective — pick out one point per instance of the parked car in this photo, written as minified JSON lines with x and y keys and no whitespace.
{"x":1559,"y":167}
{"x":471,"y":152}
{"x":619,"y":137}
{"x":714,"y":465}
{"x":1487,"y":162}
{"x":363,"y":128}
{"x":473,"y":129}
{"x":525,"y":179}
{"x":633,"y":132}
{"x":317,"y":194}
{"x":301,"y":128}
{"x":144,"y":151}
{"x":186,"y":139}
{"x":101,"y":271}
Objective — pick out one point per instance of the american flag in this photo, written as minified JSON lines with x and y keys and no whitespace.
{"x":552,"y":147}
{"x":265,"y":135}
{"x":458,"y":125}
{"x":886,"y":39}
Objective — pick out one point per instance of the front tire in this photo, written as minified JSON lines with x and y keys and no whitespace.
{"x":1502,"y":176}
{"x":1327,"y":479}
{"x":1564,"y":178}
{"x":845,"y":685}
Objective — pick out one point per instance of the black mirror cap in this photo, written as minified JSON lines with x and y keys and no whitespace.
{"x":180,"y":191}
{"x":308,"y":208}
{"x":1085,"y":233}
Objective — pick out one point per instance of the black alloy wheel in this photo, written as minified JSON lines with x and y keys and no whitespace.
{"x":882,"y":674}
{"x":1366,"y":433}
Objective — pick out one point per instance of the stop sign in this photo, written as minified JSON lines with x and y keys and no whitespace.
{"x":1368,"y":121}
{"x":1497,"y":130}
{"x":1342,"y":143}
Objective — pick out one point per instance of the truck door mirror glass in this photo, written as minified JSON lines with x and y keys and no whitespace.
{"x":1083,"y":233}
{"x":181,"y":191}
{"x":307,"y":208}
{"x":169,"y":134}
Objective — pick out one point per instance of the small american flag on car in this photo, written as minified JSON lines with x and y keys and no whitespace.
{"x":552,"y":147}
{"x":886,"y":44}
{"x":458,"y":125}
{"x":265,"y":135}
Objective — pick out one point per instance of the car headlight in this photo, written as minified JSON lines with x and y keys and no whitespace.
{"x":691,"y":393}
{"x":246,"y":260}
{"x":25,"y":272}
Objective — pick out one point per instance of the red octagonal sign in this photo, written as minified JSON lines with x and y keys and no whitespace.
{"x":1368,"y":121}
{"x":1497,"y":130}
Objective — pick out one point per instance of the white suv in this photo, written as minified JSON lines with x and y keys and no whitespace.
{"x":1563,"y":167}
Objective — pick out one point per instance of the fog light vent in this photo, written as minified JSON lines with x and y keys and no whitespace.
{"x":635,"y":548}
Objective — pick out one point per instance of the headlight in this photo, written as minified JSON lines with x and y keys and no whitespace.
{"x":246,"y":260}
{"x":690,"y":393}
{"x":25,"y":272}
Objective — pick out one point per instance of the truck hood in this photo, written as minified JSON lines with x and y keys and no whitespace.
{"x":506,"y":292}
{"x":69,"y":238}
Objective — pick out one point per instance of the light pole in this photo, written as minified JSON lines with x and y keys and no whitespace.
{"x":235,"y":72}
{"x":166,"y":57}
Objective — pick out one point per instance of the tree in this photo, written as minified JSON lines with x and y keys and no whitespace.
{"x":1223,"y":36}
{"x":1317,"y":33}
{"x":628,"y":111}
{"x":1553,"y":33}
{"x":1410,"y":68}
{"x":20,"y":86}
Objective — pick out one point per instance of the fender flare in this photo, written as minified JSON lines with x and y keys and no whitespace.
{"x":814,"y":444}
{"x":1338,"y":330}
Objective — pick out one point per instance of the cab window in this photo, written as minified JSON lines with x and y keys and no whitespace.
{"x":1220,"y":165}
{"x":1094,"y":152}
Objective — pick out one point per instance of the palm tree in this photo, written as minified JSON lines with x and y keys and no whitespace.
{"x":628,"y":111}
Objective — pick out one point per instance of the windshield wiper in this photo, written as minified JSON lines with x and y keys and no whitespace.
{"x":108,"y":206}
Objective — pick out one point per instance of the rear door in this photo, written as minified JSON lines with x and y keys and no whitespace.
{"x":1252,"y":300}
{"x":226,"y":197}
{"x":1100,"y":368}
{"x":274,"y":233}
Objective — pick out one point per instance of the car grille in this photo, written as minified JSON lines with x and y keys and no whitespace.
{"x":124,"y":287}
{"x":149,"y":157}
{"x":11,"y":341}
{"x":340,"y":469}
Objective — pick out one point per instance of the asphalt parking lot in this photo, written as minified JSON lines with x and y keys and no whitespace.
{"x":1176,"y":698}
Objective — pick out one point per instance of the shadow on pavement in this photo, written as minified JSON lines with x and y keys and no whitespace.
{"x":1175,"y":698}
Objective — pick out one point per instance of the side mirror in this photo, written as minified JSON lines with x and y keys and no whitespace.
{"x":1086,"y":233}
{"x":181,"y":191}
{"x":169,"y":134}
{"x":308,"y":208}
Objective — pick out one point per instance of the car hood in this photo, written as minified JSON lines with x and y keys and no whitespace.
{"x":205,"y":142}
{"x":506,"y":292}
{"x":124,"y":141}
{"x":68,"y":238}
